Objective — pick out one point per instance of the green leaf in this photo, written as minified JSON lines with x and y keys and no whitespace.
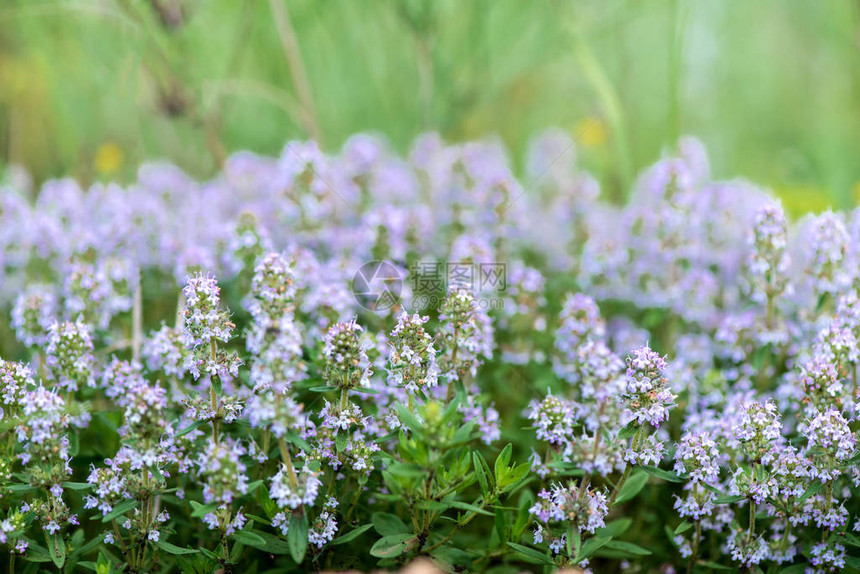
{"x":662,"y":474}
{"x":500,"y":467}
{"x":590,"y":547}
{"x":56,"y":548}
{"x":615,"y":528}
{"x":628,"y":547}
{"x":201,"y":510}
{"x":74,"y":444}
{"x":810,"y":491}
{"x":514,"y":475}
{"x":392,"y":546}
{"x":296,"y":440}
{"x":455,"y":559}
{"x":216,"y":384}
{"x":387,"y":524}
{"x":629,"y":430}
{"x":408,"y":418}
{"x":119,"y":510}
{"x":534,"y":555}
{"x":189,"y":428}
{"x":297,"y":537}
{"x":271,"y":544}
{"x":464,"y":433}
{"x":351,"y":535}
{"x":340,"y":441}
{"x":715,"y":566}
{"x":209,"y":554}
{"x":87,"y":547}
{"x":501,"y":524}
{"x":481,"y":474}
{"x":729,"y":499}
{"x":683,"y":527}
{"x":435,"y":505}
{"x":851,"y":540}
{"x":20,"y":488}
{"x":249,"y":538}
{"x":76,"y":485}
{"x":322,"y":389}
{"x":470,"y":507}
{"x":634,"y":485}
{"x":173,"y":549}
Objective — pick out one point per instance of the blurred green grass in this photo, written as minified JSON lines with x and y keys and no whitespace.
{"x":92,"y":88}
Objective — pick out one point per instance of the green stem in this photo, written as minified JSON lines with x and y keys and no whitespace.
{"x":137,"y":323}
{"x":752,"y":518}
{"x":213,"y":396}
{"x":469,"y":517}
{"x":450,"y":396}
{"x":627,"y":469}
{"x":288,"y":462}
{"x":695,"y":555}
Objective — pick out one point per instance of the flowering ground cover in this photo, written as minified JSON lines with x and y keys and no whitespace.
{"x":355,"y":360}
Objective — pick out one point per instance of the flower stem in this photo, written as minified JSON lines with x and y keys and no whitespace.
{"x":752,"y":517}
{"x":344,"y":398}
{"x":288,"y":462}
{"x":137,"y":323}
{"x":694,"y":556}
{"x":627,"y":469}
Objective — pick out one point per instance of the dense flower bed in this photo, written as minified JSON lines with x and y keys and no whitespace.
{"x":216,"y":375}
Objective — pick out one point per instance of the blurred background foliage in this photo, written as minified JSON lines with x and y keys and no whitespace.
{"x":92,"y":88}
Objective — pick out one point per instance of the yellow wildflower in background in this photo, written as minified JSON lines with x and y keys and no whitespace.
{"x":108,"y":159}
{"x":591,"y":131}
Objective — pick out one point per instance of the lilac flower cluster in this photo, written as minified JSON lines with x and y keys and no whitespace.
{"x":205,"y":325}
{"x":199,"y":438}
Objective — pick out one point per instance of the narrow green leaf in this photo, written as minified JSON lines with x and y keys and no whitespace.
{"x":633,"y":486}
{"x":201,"y":510}
{"x":392,"y":546}
{"x":351,"y":535}
{"x":340,"y":441}
{"x":189,"y":428}
{"x":297,"y":537}
{"x":500,"y":467}
{"x":662,"y":474}
{"x":514,"y":475}
{"x":249,"y":538}
{"x":119,"y":510}
{"x":271,"y":544}
{"x":729,"y":499}
{"x":628,"y":547}
{"x":387,"y":524}
{"x":533,"y":554}
{"x":469,"y":507}
{"x":481,"y":473}
{"x":715,"y":566}
{"x":615,"y":528}
{"x":56,"y":548}
{"x":629,"y":430}
{"x":590,"y":547}
{"x":810,"y":491}
{"x":173,"y":549}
